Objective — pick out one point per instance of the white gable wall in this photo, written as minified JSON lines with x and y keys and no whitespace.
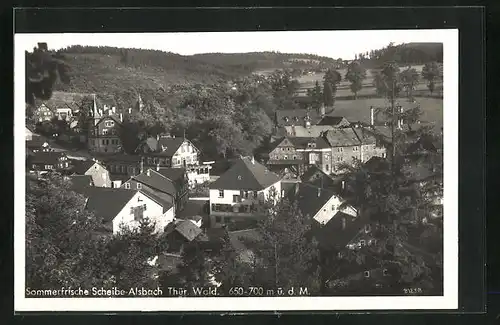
{"x":330,"y":208}
{"x":154,"y":212}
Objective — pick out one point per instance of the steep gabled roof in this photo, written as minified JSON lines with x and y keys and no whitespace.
{"x":342,"y":137}
{"x":366,"y":137}
{"x":314,"y":175}
{"x":246,"y":174}
{"x":79,"y":182}
{"x":174,"y":174}
{"x":106,"y":202}
{"x":310,"y":198}
{"x":166,"y":205}
{"x":115,"y":118}
{"x":165,"y":145}
{"x":157,"y":181}
{"x":80,"y":167}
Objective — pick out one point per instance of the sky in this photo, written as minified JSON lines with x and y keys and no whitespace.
{"x":334,"y":44}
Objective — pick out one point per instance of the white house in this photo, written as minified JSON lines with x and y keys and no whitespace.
{"x":121,"y":208}
{"x":99,"y":173}
{"x":236,"y":194}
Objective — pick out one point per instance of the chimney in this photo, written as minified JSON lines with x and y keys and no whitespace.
{"x":130,"y":110}
{"x":157,"y":167}
{"x":148,"y":172}
{"x":372,"y":116}
{"x":319,"y":192}
{"x":121,"y":117}
{"x":253,"y":160}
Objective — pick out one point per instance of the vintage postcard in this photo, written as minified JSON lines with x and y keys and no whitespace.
{"x":236,"y":171}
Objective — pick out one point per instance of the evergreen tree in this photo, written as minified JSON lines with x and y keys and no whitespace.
{"x":409,"y":79}
{"x":328,"y":95}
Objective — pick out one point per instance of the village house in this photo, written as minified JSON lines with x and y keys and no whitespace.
{"x":100,"y":175}
{"x":291,"y":156}
{"x":236,"y":194}
{"x":42,"y":162}
{"x":173,"y":189}
{"x":123,"y":208}
{"x":168,"y":151}
{"x":42,"y":113}
{"x":179,"y":233}
{"x":121,"y":166}
{"x":105,"y":130}
{"x":344,"y":145}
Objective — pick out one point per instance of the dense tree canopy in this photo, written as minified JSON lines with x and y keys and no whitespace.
{"x":355,"y":75}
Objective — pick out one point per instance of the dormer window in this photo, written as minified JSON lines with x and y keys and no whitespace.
{"x":296,"y":119}
{"x":286,"y":118}
{"x":109,"y":124}
{"x":367,"y":274}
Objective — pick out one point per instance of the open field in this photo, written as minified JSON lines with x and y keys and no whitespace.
{"x":344,"y":90}
{"x":359,"y":109}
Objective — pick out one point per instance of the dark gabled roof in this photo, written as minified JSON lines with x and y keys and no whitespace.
{"x":115,"y":118}
{"x":49,"y":158}
{"x":285,"y":162}
{"x":156,"y":181}
{"x":312,"y":131}
{"x":331,"y":234}
{"x":174,"y":174}
{"x":246,"y":174}
{"x":342,"y":137}
{"x":333,"y":121}
{"x":295,"y":116}
{"x":310,"y":197}
{"x":170,"y":144}
{"x":80,"y":182}
{"x":188,"y":230}
{"x":166,"y":205}
{"x":314,"y":175}
{"x":366,"y":137}
{"x":80,"y":167}
{"x":106,"y":202}
{"x":303,"y":142}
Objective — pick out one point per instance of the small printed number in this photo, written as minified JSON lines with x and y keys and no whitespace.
{"x":411,"y":291}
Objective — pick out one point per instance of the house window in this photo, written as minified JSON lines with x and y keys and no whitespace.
{"x":144,"y":207}
{"x":255,"y":194}
{"x":246,"y":195}
{"x":340,"y":158}
{"x":367,"y":274}
{"x":340,"y":149}
{"x":355,"y":149}
{"x":139,"y":186}
{"x":104,"y":131}
{"x":109,"y":124}
{"x":221,"y":193}
{"x":362,"y":242}
{"x":285,"y":157}
{"x":236,"y":198}
{"x":327,"y":168}
{"x":294,"y":157}
{"x":127,"y":186}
